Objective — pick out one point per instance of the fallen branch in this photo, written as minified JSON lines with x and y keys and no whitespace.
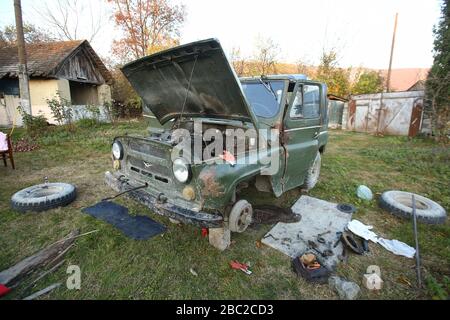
{"x":60,"y":255}
{"x":41,"y":258}
{"x":69,"y":237}
{"x":43,"y":291}
{"x":56,"y":266}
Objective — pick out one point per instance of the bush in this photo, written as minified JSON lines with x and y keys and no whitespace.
{"x":61,"y":109}
{"x":94,"y":112}
{"x":132,"y":108}
{"x":35,"y":125}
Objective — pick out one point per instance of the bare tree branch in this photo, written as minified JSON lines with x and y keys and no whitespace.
{"x":64,"y":18}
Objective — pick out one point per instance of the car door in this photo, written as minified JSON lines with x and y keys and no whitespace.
{"x":302,"y":123}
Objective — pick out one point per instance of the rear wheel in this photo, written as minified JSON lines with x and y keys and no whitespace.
{"x":313,"y":173}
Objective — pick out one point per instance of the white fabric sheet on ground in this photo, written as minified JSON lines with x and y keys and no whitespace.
{"x":362,"y":230}
{"x":318,"y":216}
{"x":396,"y":247}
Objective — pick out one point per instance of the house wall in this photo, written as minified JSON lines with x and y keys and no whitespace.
{"x":9,"y":115}
{"x":43,"y":89}
{"x":80,"y":67}
{"x":104,"y":93}
{"x":394,"y":118}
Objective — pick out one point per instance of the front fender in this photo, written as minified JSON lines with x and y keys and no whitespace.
{"x":216,"y":183}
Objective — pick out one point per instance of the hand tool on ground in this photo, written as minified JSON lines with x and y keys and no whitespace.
{"x":325,"y":253}
{"x":323,"y":233}
{"x":339,"y":237}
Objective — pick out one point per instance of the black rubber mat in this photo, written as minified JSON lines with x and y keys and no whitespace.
{"x":135,"y":227}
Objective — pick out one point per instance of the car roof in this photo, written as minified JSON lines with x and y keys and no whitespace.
{"x":290,"y":77}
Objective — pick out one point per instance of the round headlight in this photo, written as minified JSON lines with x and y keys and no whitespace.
{"x":181,"y":170}
{"x":117,"y":150}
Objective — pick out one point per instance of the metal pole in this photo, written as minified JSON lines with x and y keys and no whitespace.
{"x":24,"y":86}
{"x":388,"y":81}
{"x":419,"y":278}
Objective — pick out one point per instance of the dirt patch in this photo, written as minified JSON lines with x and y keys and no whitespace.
{"x":269,"y":214}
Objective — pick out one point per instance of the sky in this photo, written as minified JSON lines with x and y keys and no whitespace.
{"x":359,"y":30}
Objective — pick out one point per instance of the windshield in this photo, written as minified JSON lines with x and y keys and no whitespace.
{"x":264,"y":96}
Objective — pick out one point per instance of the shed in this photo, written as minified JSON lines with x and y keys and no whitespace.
{"x":393,"y":113}
{"x":70,"y":69}
{"x":337,"y":108}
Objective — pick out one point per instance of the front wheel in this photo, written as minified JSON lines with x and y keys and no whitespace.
{"x":313,"y":173}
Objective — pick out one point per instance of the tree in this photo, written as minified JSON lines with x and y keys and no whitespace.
{"x":66,"y":17}
{"x":437,"y":85}
{"x":369,"y":81}
{"x":303,"y":67}
{"x":146,"y":25}
{"x":265,"y":56}
{"x":33,"y":34}
{"x":238,"y":62}
{"x":336,"y":78}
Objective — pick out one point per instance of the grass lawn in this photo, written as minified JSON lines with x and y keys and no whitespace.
{"x":115,"y":267}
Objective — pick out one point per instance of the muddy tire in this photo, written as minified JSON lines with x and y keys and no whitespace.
{"x":43,"y":197}
{"x":240,"y":216}
{"x":313,"y":173}
{"x":399,"y":203}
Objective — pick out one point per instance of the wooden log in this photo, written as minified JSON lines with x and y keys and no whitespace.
{"x":39,"y":259}
{"x":44,"y":274}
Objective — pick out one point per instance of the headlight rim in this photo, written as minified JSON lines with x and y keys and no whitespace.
{"x":188,"y":168}
{"x":121,"y":152}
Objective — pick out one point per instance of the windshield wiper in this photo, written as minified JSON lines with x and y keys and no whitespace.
{"x":269,"y":88}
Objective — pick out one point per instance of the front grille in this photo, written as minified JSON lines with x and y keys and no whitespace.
{"x":149,"y":175}
{"x":145,"y":148}
{"x":153,"y":168}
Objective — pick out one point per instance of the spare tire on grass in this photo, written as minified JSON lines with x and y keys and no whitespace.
{"x":43,"y":197}
{"x":399,"y":203}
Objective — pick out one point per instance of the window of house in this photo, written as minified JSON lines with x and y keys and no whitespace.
{"x":306,"y":104}
{"x":83,"y":93}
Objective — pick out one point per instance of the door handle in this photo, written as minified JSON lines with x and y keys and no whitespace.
{"x":316,"y":134}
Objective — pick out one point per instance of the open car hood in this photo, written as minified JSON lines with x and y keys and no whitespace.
{"x":162,"y":81}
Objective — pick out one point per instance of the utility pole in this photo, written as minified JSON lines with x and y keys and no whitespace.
{"x":388,"y":81}
{"x":24,"y":86}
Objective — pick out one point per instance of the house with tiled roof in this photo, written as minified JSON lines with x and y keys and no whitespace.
{"x":68,"y":69}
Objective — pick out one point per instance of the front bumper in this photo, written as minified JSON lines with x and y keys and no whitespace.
{"x":163,"y":208}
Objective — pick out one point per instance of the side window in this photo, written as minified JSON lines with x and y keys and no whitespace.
{"x":306,"y":104}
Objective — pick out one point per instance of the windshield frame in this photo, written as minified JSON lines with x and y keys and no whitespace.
{"x":281,"y":104}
